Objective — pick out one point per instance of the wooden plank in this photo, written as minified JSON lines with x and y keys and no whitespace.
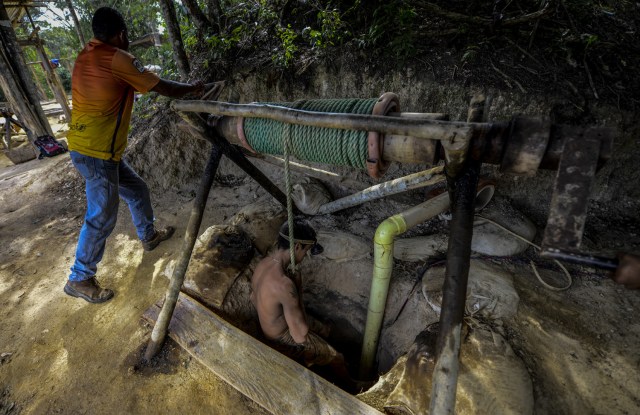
{"x":269,"y":378}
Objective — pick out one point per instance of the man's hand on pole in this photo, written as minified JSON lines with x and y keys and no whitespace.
{"x":628,"y":271}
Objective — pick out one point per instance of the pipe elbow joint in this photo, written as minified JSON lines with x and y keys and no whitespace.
{"x":389,"y":229}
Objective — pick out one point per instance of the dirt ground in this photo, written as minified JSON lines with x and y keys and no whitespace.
{"x":63,"y":355}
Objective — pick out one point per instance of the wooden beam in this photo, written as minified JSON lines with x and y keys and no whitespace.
{"x":50,"y":74}
{"x":27,"y":42}
{"x":270,"y":379}
{"x":18,"y":84}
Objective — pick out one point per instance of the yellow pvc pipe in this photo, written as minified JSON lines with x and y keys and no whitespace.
{"x":383,"y":264}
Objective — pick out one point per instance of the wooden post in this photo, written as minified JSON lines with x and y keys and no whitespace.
{"x":76,"y":23}
{"x":54,"y":82}
{"x":18,"y":84}
{"x":177,"y":278}
{"x":462,"y":189}
{"x":52,"y":77}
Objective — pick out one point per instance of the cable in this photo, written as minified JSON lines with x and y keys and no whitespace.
{"x":533,"y":266}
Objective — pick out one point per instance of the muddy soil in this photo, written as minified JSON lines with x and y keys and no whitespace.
{"x":63,"y":355}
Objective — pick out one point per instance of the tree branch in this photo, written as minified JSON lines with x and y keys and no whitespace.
{"x":482,"y":21}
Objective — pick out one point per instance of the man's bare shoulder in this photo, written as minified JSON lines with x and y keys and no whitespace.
{"x":270,"y":272}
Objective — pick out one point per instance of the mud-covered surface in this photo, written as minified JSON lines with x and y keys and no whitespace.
{"x":68,"y":356}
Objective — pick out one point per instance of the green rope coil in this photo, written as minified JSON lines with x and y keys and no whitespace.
{"x":322,"y":145}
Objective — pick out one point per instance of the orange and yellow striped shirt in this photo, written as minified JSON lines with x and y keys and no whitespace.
{"x":103,"y":81}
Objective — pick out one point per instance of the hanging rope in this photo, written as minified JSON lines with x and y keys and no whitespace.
{"x":287,"y":181}
{"x":323,"y":145}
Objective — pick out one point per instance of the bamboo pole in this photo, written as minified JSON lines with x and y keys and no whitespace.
{"x":392,"y":187}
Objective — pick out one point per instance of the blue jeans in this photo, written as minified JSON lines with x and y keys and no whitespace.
{"x":104,"y":181}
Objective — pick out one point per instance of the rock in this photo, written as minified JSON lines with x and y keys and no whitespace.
{"x":261,"y":221}
{"x":492,"y":379}
{"x":488,"y":239}
{"x":490,"y":291}
{"x":309,"y":195}
{"x":22,"y":153}
{"x":420,"y":248}
{"x":4,"y":357}
{"x":342,"y":246}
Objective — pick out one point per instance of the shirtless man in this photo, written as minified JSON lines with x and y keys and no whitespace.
{"x":278,"y":300}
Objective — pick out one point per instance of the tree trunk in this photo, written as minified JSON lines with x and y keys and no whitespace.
{"x":173,"y":29}
{"x":18,"y":84}
{"x":198,"y":16}
{"x":215,"y":12}
{"x":76,"y":23}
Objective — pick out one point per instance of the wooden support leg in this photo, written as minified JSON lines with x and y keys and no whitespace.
{"x":160,"y":329}
{"x":462,"y":189}
{"x":7,"y":132}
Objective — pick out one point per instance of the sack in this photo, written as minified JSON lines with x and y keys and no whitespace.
{"x":48,"y":146}
{"x":309,"y":195}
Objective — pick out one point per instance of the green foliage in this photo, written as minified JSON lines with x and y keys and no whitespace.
{"x":573,"y":34}
{"x":168,"y":63}
{"x":284,"y":55}
{"x":65,"y":78}
{"x":393,"y":28}
{"x":332,"y":30}
{"x":470,"y":54}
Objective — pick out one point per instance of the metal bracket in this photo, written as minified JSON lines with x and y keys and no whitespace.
{"x":570,"y":200}
{"x":527,"y":144}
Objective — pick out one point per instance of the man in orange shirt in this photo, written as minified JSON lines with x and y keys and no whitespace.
{"x":104,"y":79}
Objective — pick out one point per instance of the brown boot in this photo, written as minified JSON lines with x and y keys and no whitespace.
{"x":161,"y":235}
{"x":88,"y":290}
